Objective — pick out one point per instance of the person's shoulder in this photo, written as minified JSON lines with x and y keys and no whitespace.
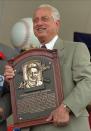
{"x":71,"y":47}
{"x":72,"y":44}
{"x":8,"y":51}
{"x":5,"y":48}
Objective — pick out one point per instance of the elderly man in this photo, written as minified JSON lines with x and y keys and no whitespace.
{"x":75,"y":64}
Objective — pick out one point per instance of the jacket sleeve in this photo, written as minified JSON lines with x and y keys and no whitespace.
{"x":80,"y":96}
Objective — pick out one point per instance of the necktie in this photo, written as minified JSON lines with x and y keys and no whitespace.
{"x":43,"y":46}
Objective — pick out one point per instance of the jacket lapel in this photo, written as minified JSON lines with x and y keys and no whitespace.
{"x":60,"y":47}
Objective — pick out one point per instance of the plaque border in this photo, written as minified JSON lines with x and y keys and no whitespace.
{"x":51,"y":54}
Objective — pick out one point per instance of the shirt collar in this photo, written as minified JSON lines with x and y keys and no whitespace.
{"x":50,"y":44}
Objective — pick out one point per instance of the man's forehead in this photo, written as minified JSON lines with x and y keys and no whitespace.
{"x":42,"y":11}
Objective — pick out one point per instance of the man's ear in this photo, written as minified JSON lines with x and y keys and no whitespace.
{"x":58,"y":24}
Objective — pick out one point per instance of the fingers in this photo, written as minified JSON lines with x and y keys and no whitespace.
{"x":49,"y":118}
{"x":9,"y":72}
{"x":59,"y":117}
{"x":61,"y":122}
{"x":1,"y":111}
{"x":56,"y":121}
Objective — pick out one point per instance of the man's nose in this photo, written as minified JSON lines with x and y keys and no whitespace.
{"x":39,"y":22}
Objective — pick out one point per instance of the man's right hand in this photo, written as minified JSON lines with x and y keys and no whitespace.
{"x":9,"y":72}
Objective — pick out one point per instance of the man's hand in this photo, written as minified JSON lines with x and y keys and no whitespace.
{"x":60,"y":116}
{"x":9,"y":72}
{"x":1,"y":111}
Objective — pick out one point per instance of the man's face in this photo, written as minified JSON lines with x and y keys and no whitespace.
{"x":33,"y":73}
{"x":45,"y":28}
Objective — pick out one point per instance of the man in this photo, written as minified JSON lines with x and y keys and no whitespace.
{"x":6,"y":53}
{"x":75,"y":64}
{"x":32,"y":74}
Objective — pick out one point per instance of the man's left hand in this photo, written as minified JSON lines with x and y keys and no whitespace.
{"x":60,"y":116}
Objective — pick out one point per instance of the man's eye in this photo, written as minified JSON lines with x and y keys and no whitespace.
{"x":35,"y":20}
{"x":45,"y":19}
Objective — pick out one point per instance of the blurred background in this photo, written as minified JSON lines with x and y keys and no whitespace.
{"x":75,"y":16}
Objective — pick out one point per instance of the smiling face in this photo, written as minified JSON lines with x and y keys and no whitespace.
{"x":33,"y":73}
{"x":45,"y":27}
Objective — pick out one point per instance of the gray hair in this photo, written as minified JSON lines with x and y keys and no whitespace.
{"x":55,"y":12}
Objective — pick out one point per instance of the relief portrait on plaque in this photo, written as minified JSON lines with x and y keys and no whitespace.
{"x":37,"y":87}
{"x":33,"y":74}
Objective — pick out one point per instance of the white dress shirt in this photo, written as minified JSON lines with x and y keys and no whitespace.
{"x":50,"y":44}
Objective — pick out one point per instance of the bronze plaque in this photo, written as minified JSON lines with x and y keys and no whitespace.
{"x":36,"y":89}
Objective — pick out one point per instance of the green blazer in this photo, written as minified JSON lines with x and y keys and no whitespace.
{"x":76,"y":77}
